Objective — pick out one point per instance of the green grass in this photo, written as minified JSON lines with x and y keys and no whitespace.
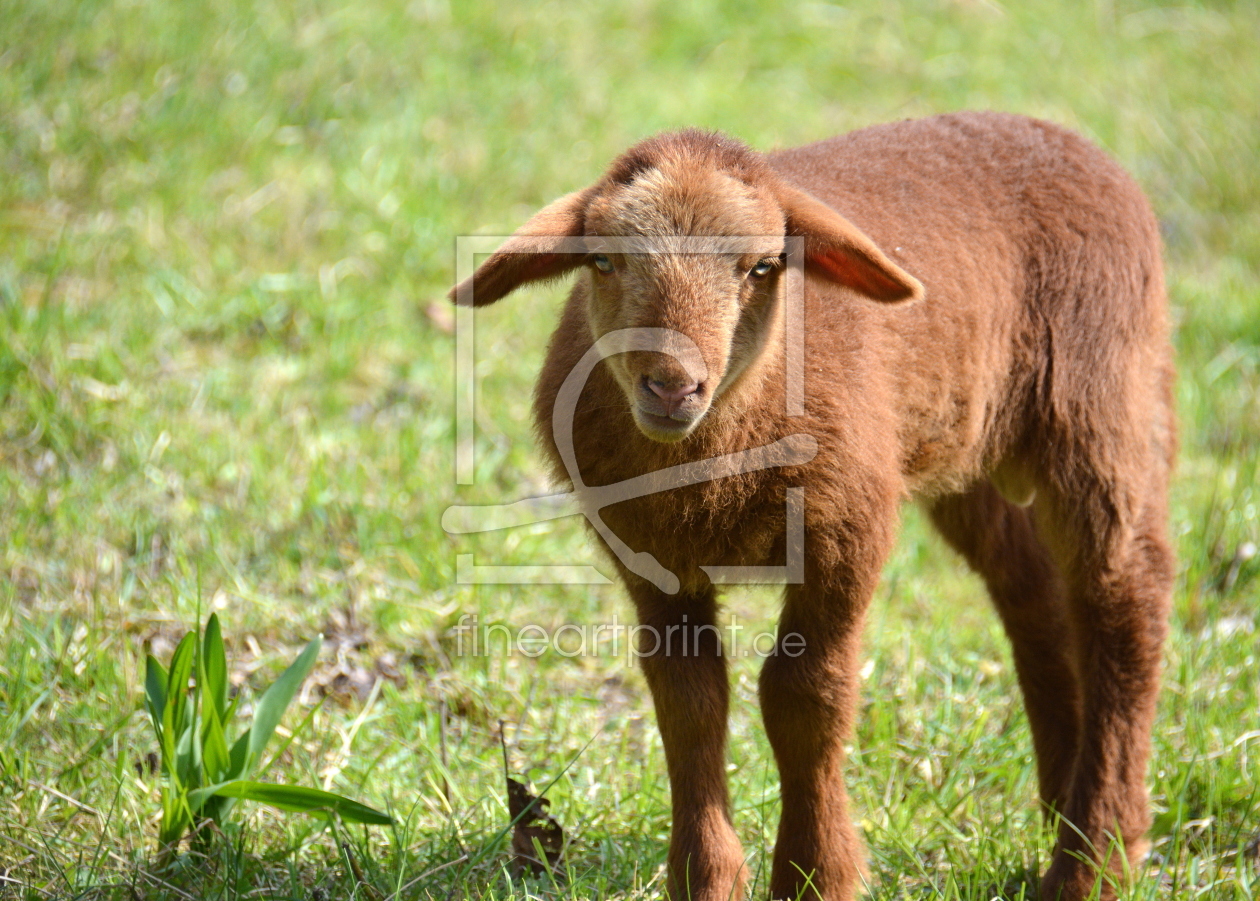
{"x":220,"y":226}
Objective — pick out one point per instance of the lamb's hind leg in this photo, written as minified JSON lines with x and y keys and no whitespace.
{"x":1110,"y":542}
{"x":999,"y":541}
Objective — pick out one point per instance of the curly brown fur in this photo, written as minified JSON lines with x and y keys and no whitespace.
{"x":985,"y":331}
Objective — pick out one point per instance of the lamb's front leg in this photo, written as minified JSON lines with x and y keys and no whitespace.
{"x":681,"y":652}
{"x":809,"y":692}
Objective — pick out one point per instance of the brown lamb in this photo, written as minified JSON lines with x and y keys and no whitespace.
{"x":984,"y":330}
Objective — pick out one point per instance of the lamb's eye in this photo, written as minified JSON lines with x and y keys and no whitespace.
{"x":602,"y":263}
{"x":762,"y":269}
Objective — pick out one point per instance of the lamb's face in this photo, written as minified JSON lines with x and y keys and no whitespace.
{"x":695,"y":292}
{"x":689,"y":320}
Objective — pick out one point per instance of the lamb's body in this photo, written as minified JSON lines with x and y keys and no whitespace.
{"x":1034,"y":369}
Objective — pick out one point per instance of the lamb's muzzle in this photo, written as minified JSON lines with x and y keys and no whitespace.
{"x":671,"y":394}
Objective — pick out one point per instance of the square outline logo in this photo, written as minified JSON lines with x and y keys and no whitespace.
{"x":586,"y":500}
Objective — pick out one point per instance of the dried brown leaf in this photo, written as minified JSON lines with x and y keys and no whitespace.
{"x":535,"y":830}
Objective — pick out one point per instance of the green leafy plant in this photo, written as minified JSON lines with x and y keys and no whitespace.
{"x":204,"y":773}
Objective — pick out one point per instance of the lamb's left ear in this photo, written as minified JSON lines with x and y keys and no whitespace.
{"x":528,"y":256}
{"x":836,"y":249}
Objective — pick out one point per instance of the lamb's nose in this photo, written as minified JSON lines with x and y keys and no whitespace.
{"x":673,"y":395}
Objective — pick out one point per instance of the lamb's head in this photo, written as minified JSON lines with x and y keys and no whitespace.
{"x":683,"y":243}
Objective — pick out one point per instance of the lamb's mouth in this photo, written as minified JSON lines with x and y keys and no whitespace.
{"x":666,"y":428}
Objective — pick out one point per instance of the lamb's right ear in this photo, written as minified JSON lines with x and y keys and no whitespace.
{"x":838,"y":250}
{"x":528,"y":256}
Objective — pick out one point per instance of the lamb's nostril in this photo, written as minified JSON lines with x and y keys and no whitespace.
{"x":671,"y":393}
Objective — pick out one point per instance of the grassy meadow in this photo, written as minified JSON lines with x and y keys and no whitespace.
{"x":227,"y":384}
